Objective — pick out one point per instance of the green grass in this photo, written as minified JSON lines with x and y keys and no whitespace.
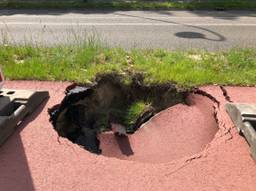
{"x":81,"y":63}
{"x":130,"y":5}
{"x":133,"y":112}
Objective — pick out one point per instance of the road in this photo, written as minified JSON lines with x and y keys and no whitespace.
{"x":211,"y":30}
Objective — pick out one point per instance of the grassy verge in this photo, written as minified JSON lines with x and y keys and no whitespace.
{"x":81,"y":64}
{"x":130,"y":5}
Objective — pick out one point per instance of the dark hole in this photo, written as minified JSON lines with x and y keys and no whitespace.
{"x":89,"y":110}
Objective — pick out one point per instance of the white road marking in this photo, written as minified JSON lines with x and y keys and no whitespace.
{"x":123,"y":17}
{"x":125,"y":24}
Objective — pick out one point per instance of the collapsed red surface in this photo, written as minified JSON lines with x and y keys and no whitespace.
{"x":35,"y":158}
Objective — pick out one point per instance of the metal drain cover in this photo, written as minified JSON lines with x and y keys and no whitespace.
{"x":244,"y":117}
{"x":15,"y":105}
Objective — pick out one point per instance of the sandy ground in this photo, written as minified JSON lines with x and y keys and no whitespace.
{"x":199,"y":154}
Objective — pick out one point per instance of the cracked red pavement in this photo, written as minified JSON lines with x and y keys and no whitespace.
{"x":34,"y":159}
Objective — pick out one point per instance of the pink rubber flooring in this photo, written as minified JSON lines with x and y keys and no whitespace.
{"x":165,"y":140}
{"x":34,"y":158}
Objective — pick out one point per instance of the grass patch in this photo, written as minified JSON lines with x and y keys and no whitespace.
{"x":81,"y":63}
{"x":132,"y":114}
{"x":130,"y":5}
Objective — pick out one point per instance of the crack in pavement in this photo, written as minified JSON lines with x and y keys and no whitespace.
{"x":194,"y":158}
{"x":221,"y":124}
{"x":188,"y":161}
{"x":218,"y":118}
{"x":217,"y":113}
{"x":204,"y":153}
{"x":225,"y":94}
{"x":204,"y":93}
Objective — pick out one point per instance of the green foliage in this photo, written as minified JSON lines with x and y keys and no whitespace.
{"x":132,"y":114}
{"x":81,"y":63}
{"x":130,"y":5}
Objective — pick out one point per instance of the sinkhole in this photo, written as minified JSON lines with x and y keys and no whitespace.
{"x":131,"y":120}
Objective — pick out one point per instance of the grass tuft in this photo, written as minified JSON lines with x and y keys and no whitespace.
{"x":133,"y":113}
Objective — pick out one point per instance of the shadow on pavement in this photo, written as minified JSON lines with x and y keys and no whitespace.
{"x":14,"y":168}
{"x":190,"y":35}
{"x":218,"y":36}
{"x":226,"y":15}
{"x":124,"y":145}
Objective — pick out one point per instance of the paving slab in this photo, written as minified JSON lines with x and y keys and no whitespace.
{"x":35,"y":158}
{"x":15,"y":105}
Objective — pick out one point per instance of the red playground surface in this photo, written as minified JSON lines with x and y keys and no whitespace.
{"x":182,"y":148}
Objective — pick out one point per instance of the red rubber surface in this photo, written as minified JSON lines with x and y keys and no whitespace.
{"x":35,"y":159}
{"x":180,"y":134}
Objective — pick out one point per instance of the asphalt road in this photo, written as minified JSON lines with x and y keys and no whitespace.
{"x":212,"y":30}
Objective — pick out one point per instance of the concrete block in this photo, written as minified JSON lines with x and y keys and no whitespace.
{"x":15,"y":105}
{"x":244,"y":117}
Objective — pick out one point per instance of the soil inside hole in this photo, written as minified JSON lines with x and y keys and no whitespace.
{"x":88,"y":111}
